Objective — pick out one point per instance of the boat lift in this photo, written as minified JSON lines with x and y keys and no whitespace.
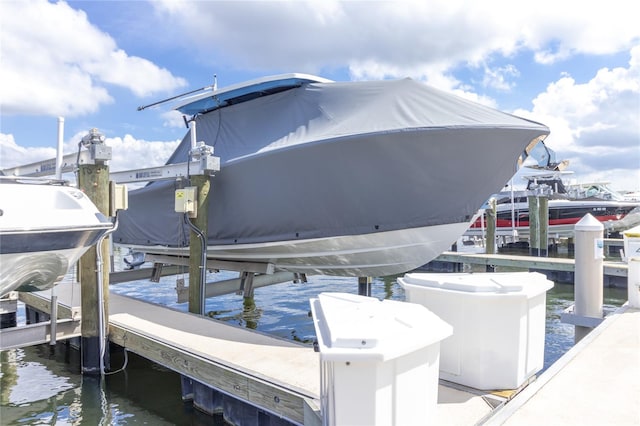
{"x":251,"y":274}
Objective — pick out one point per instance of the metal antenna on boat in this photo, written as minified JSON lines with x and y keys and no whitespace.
{"x":215,"y":82}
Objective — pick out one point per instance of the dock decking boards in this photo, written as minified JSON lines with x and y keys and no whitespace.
{"x":274,"y":374}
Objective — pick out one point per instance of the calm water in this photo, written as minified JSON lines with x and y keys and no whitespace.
{"x":41,"y":385}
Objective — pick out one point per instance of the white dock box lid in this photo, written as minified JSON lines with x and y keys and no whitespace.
{"x":350,"y":327}
{"x":498,"y":320}
{"x":379,"y":360}
{"x":515,"y":283}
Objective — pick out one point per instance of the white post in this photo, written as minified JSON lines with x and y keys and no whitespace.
{"x":54,"y":298}
{"x":192,"y":126}
{"x":59,"y":150}
{"x":588,"y":280}
{"x":633,"y":282}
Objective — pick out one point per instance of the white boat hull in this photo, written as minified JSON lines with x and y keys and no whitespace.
{"x":36,"y":271}
{"x":44,"y":230}
{"x":375,"y":254}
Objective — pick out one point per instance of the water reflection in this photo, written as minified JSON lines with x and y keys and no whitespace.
{"x":42,"y":385}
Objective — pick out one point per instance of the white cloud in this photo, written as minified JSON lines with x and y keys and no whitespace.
{"x":12,"y":154}
{"x":596,"y":125}
{"x":173,"y":118}
{"x":498,"y":78}
{"x":396,"y":39}
{"x":595,"y":122}
{"x":128,"y":153}
{"x":55,"y":62}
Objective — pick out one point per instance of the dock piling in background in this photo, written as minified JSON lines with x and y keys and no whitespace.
{"x":543,"y":213}
{"x":538,"y":225}
{"x":490,"y":241}
{"x":364,"y":286}
{"x":8,"y":310}
{"x":534,"y":225}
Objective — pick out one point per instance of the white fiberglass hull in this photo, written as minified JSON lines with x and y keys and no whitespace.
{"x":375,"y":254}
{"x":36,"y":271}
{"x":44,"y":229}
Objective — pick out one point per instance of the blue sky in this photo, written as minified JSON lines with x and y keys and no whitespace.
{"x":574,"y":68}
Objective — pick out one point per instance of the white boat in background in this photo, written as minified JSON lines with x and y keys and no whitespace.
{"x":366,"y":178}
{"x":568,"y":203}
{"x":45,"y":226}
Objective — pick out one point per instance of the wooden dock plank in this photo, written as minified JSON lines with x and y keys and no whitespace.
{"x":265,"y":371}
{"x":236,"y":348}
{"x":277,"y":375}
{"x":618,"y":269}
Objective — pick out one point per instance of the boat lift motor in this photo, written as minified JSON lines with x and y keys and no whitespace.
{"x":94,"y":141}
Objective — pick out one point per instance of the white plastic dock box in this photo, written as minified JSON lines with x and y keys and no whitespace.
{"x":379,"y":360}
{"x":498,"y":324}
{"x":631,"y":240}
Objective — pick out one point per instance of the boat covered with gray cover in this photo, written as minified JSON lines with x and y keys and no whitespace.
{"x":366,"y":178}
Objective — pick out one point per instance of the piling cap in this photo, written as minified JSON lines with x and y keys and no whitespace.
{"x":589,"y":223}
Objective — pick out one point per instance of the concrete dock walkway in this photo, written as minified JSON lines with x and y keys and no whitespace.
{"x":597,"y":382}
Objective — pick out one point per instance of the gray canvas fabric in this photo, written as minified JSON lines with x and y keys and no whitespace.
{"x":331,"y":159}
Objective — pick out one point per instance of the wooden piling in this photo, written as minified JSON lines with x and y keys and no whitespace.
{"x":364,"y":286}
{"x":490,"y":241}
{"x":491,"y":216}
{"x":93,"y":180}
{"x":543,"y":214}
{"x":196,"y":302}
{"x":534,"y":225}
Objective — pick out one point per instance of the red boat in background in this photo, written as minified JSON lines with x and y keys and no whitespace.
{"x":567,"y":205}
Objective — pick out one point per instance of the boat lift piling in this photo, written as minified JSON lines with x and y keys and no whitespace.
{"x":490,"y":241}
{"x":364,"y":286}
{"x":534,"y":225}
{"x":93,"y":180}
{"x":198,"y":212}
{"x":538,"y":225}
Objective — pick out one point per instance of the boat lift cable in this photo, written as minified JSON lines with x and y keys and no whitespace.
{"x":203,"y":261}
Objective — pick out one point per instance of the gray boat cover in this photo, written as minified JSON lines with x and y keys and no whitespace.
{"x":298,"y":119}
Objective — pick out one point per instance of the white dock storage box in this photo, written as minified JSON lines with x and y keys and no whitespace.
{"x":379,"y":360}
{"x":631,"y":240}
{"x":498,"y":324}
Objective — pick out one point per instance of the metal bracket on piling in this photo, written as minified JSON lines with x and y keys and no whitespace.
{"x":156,"y":272}
{"x":246,"y":284}
{"x":569,"y":317}
{"x":299,"y":277}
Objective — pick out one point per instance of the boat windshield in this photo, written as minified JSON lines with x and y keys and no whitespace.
{"x":594,"y":190}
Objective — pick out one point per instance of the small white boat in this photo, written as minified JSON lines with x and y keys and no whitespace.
{"x":45,"y":226}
